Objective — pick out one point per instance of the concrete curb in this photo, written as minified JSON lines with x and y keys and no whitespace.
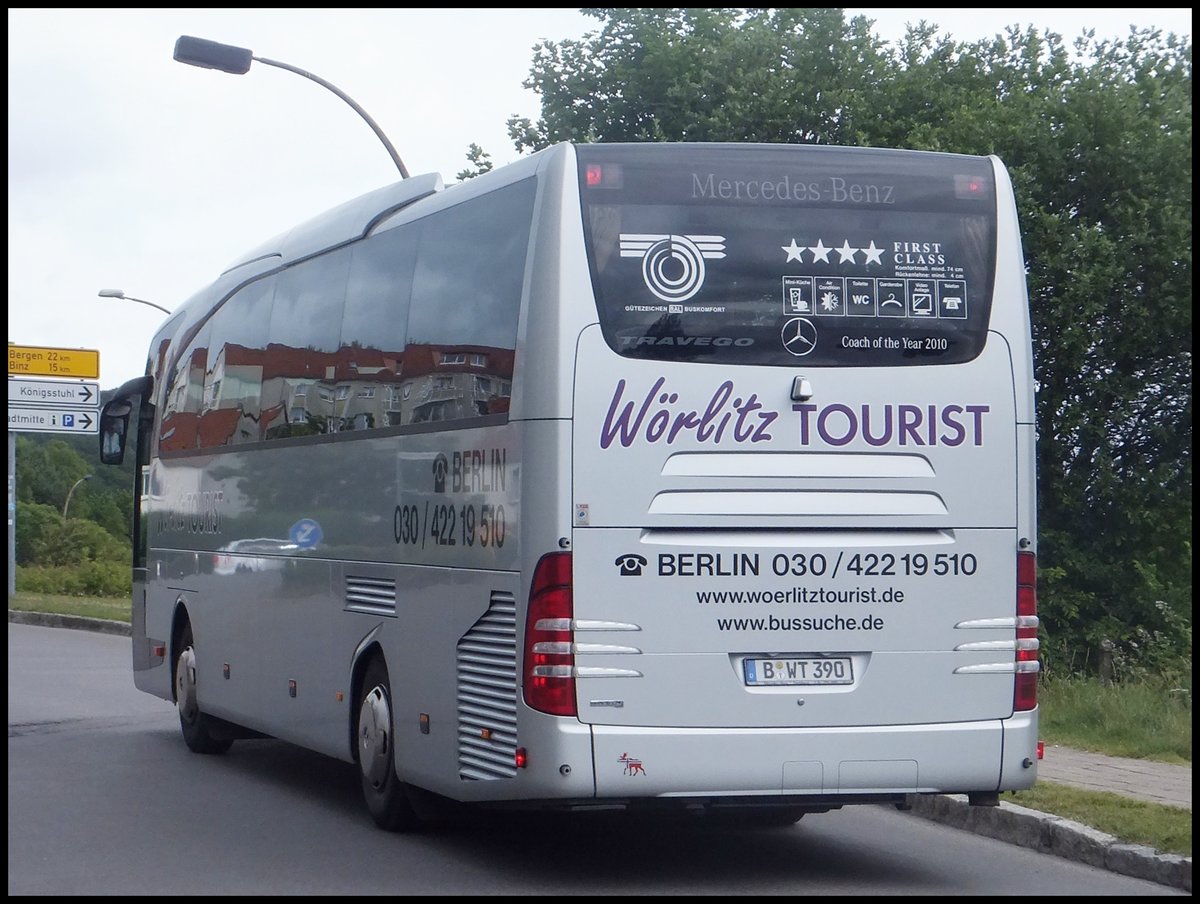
{"x":1008,"y":823}
{"x":55,"y":620}
{"x":1054,"y":835}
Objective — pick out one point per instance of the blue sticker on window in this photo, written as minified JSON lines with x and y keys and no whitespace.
{"x":305,"y":533}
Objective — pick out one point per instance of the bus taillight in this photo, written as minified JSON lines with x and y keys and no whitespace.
{"x":1028,"y":667}
{"x":604,"y":176}
{"x":549,"y":657}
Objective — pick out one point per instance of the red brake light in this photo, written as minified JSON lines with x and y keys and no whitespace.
{"x":549,"y":669}
{"x":1028,"y":667}
{"x":608,"y":175}
{"x":969,"y":187}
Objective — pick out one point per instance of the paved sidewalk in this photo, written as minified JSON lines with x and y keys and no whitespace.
{"x":1159,"y":783}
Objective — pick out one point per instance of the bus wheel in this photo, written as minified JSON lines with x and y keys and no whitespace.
{"x":197,"y":727}
{"x":385,"y":794}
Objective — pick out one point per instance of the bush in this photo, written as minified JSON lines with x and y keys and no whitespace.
{"x":35,"y":522}
{"x":43,"y":538}
{"x":87,"y":579}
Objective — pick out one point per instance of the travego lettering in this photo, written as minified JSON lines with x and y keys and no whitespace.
{"x":716,"y":341}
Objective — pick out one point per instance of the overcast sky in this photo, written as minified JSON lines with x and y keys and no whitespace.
{"x":127,"y":170}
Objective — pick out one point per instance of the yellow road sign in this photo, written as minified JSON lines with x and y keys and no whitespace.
{"x":37,"y":361}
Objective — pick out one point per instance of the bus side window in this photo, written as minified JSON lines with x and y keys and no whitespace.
{"x":462,"y":323}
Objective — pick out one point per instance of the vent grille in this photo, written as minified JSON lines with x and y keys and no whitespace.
{"x":487,"y":694}
{"x":374,"y":596}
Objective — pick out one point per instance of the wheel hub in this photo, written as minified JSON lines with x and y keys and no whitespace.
{"x":374,"y":748}
{"x":185,"y":685}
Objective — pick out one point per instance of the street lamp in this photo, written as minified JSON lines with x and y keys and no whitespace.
{"x":71,"y":492}
{"x":236,"y":61}
{"x":117,"y":293}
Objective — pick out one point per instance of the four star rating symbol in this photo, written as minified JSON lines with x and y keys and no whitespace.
{"x":820,"y":252}
{"x":846,"y":254}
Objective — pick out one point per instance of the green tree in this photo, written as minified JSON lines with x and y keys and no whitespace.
{"x":88,"y":553}
{"x":36,"y":525}
{"x":481,"y":163}
{"x":702,"y":75}
{"x":1097,"y":138}
{"x":46,"y":471}
{"x":47,"y":468}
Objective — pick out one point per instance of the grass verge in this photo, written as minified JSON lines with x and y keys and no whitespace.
{"x":110,"y":608}
{"x":1166,"y":829}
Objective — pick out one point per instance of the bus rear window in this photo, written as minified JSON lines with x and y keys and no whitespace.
{"x":781,"y":255}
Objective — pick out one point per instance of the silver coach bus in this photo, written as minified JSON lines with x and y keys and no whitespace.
{"x":693,"y":475}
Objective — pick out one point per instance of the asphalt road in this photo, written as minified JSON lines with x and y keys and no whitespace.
{"x":105,"y":799}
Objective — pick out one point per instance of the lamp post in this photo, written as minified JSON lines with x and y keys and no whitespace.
{"x":236,"y":61}
{"x":71,"y":493}
{"x":117,"y":293}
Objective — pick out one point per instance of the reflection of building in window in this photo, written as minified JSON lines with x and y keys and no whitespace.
{"x":250,"y":395}
{"x":435,"y":390}
{"x":255,"y":394}
{"x":187,"y":383}
{"x":161,"y":360}
{"x":345,"y":382}
{"x":185,"y":430}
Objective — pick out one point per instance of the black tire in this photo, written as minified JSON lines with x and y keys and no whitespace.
{"x":386,"y":796}
{"x":200,"y":732}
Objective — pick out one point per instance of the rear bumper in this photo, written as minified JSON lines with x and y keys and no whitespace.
{"x":829,"y":763}
{"x":810,"y":768}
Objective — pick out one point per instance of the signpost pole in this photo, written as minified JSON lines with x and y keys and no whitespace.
{"x":12,"y":514}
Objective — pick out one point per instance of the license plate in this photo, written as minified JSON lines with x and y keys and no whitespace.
{"x":798,"y":670}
